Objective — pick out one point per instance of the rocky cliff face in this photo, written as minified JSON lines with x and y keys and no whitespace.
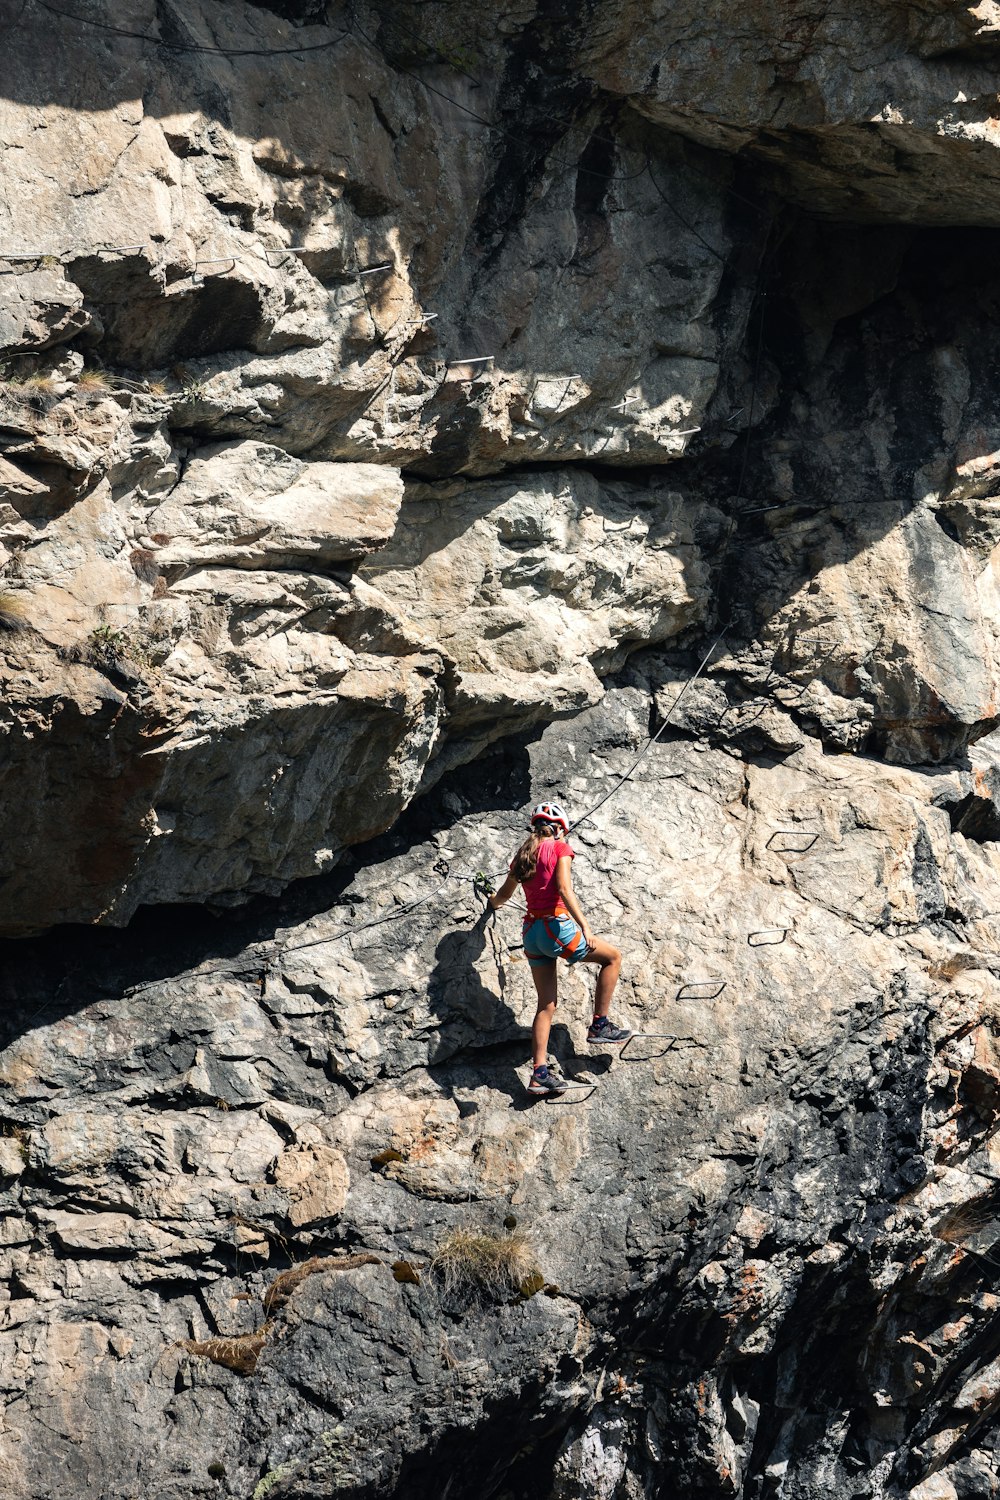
{"x":406,"y":411}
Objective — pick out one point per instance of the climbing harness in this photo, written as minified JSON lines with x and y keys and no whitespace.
{"x":565,"y":947}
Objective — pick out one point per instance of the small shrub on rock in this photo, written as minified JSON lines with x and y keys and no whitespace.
{"x":122,"y":651}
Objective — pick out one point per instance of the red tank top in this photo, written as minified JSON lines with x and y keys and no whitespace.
{"x":540,"y":891}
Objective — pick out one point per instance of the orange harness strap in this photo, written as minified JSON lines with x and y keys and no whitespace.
{"x":554,"y":937}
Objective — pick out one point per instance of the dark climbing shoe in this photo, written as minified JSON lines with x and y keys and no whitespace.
{"x":544,"y":1081}
{"x":602,"y":1031}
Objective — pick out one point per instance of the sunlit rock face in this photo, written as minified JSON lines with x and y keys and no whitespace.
{"x":340,"y":442}
{"x":405,"y":411}
{"x":761,"y":1236}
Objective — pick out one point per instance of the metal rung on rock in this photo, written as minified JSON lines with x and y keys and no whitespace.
{"x":816,"y":638}
{"x":568,"y":1089}
{"x":806,"y":840}
{"x":716,"y":986}
{"x":214,"y":260}
{"x":651,"y":1036}
{"x":765,"y":936}
{"x":284,"y":251}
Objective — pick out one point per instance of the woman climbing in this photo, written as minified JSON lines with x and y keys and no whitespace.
{"x":555,"y":927}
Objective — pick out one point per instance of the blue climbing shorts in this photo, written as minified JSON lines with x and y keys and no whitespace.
{"x":548,"y":938}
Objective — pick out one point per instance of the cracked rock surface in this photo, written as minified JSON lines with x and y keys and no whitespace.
{"x":405,"y":413}
{"x":784,"y":1201}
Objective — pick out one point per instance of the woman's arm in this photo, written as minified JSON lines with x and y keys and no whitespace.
{"x":564,"y":885}
{"x":503,"y":894}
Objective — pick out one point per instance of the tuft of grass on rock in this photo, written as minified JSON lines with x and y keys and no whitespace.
{"x":954,"y":964}
{"x":478,"y":1268}
{"x":386,"y":1158}
{"x":287,"y":1282}
{"x":966,"y":1220}
{"x":18,"y":1133}
{"x":13,"y":612}
{"x":35,"y":382}
{"x":144,"y":564}
{"x":238,"y":1352}
{"x":93,"y":380}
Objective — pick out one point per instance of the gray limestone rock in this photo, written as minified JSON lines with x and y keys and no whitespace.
{"x":733,"y":1226}
{"x":405,"y":412}
{"x":38,"y":309}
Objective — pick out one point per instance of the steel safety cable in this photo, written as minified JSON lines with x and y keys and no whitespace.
{"x":260,"y":961}
{"x":653,"y":738}
{"x":413,"y":905}
{"x":521,"y":140}
{"x":157,"y":41}
{"x":410,"y":906}
{"x":734,"y":522}
{"x":276,"y":951}
{"x":601,"y":140}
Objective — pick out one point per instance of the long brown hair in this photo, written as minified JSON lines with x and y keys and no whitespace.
{"x":525,"y":861}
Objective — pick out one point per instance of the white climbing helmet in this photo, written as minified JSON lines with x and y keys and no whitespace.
{"x":551,"y":812}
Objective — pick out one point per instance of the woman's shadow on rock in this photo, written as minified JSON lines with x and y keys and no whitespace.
{"x":480,"y":1038}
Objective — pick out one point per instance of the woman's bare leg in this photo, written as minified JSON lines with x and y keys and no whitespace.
{"x":546,"y":986}
{"x":610,"y":961}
